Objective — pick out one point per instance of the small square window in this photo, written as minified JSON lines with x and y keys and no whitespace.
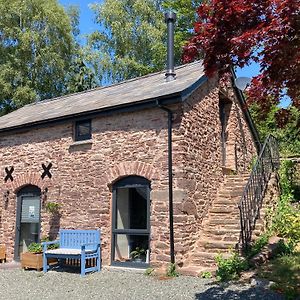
{"x":83,"y":130}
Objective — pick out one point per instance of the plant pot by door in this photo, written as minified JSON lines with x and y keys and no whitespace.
{"x":32,"y":261}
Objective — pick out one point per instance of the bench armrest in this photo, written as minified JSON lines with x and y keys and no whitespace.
{"x":89,"y":244}
{"x":45,"y":244}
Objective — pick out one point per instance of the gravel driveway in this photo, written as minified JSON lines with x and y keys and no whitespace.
{"x":114,"y":285}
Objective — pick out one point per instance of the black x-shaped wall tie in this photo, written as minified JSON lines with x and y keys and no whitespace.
{"x":9,"y":174}
{"x":46,"y":171}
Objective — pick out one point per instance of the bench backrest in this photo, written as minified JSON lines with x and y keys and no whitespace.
{"x":73,"y":239}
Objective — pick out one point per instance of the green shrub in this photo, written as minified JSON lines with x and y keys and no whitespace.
{"x":171,"y":272}
{"x":257,"y":246}
{"x":206,"y":275}
{"x":52,"y":207}
{"x":35,"y":248}
{"x":149,"y":271}
{"x":286,"y":221}
{"x":230,"y":268}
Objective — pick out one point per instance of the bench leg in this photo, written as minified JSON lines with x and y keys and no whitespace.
{"x":98,"y":260}
{"x":45,"y":263}
{"x":82,"y":264}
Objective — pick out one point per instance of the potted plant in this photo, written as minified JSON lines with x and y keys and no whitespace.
{"x":33,"y":258}
{"x":52,"y":208}
{"x":137,"y":254}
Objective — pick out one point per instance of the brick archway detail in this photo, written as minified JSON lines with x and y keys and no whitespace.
{"x":28,"y":178}
{"x":130,"y":168}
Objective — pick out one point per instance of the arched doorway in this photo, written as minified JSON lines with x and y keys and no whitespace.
{"x":131,"y":222}
{"x":27,"y":219}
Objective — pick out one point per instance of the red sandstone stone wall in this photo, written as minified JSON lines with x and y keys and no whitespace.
{"x":133,"y":143}
{"x":199,"y":160}
{"x":126,"y":144}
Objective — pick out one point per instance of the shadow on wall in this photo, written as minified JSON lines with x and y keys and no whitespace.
{"x":238,"y":291}
{"x":54,"y":223}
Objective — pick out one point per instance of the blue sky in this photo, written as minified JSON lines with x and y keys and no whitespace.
{"x":87,"y":24}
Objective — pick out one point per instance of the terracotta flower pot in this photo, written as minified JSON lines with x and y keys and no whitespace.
{"x":32,"y":260}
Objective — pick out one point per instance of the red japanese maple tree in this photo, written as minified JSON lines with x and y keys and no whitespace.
{"x":236,"y":32}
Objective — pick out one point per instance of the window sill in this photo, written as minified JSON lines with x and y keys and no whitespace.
{"x":84,"y":142}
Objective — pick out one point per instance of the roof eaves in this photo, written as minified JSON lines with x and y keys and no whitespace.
{"x":128,"y":107}
{"x":188,"y":91}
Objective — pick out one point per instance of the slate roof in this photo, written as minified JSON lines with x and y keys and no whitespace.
{"x":136,"y":91}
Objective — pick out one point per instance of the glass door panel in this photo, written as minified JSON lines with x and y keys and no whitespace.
{"x":131,"y":208}
{"x":131,"y":248}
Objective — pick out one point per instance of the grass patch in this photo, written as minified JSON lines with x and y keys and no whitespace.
{"x":285,"y":272}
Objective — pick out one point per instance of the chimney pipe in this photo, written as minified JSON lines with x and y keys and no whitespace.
{"x":170,"y":19}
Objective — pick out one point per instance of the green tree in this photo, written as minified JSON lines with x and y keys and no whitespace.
{"x":186,"y":18}
{"x":131,"y":40}
{"x":287,"y":132}
{"x":81,"y":76}
{"x":36,"y":48}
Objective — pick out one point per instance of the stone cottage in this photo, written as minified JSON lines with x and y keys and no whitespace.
{"x":142,"y":160}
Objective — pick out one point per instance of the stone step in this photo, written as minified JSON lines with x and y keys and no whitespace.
{"x":228,"y":227}
{"x":196,"y":270}
{"x":246,"y":175}
{"x":222,"y":209}
{"x":216,"y":245}
{"x":233,"y":238}
{"x":207,"y":258}
{"x":220,"y":232}
{"x":225,"y":201}
{"x":222,"y":221}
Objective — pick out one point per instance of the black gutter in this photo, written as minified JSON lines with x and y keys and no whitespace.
{"x":249,"y":119}
{"x":170,"y":175}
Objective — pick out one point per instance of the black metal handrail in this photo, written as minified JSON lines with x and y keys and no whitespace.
{"x":251,"y":201}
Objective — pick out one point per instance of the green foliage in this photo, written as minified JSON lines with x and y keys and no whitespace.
{"x":149,"y":271}
{"x":258,"y":245}
{"x":285,"y":272}
{"x":137,"y":253}
{"x":252,"y":163}
{"x":206,"y":275}
{"x":131,"y":39}
{"x":288,"y":135}
{"x":171,"y":271}
{"x":36,"y":48}
{"x":230,"y":268}
{"x":286,"y":221}
{"x":186,"y":18}
{"x":35,"y":248}
{"x":38,"y":248}
{"x":81,"y":76}
{"x":52,"y":207}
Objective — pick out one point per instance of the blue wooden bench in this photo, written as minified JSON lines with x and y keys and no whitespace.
{"x":75,"y":244}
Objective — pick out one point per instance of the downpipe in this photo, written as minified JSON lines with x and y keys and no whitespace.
{"x":170,"y":179}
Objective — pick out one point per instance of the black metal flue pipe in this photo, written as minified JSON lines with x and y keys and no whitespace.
{"x":170,"y":19}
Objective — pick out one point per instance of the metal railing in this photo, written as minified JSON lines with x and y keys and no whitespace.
{"x":252,"y":198}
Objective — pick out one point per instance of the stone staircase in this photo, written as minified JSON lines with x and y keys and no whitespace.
{"x":221,"y":227}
